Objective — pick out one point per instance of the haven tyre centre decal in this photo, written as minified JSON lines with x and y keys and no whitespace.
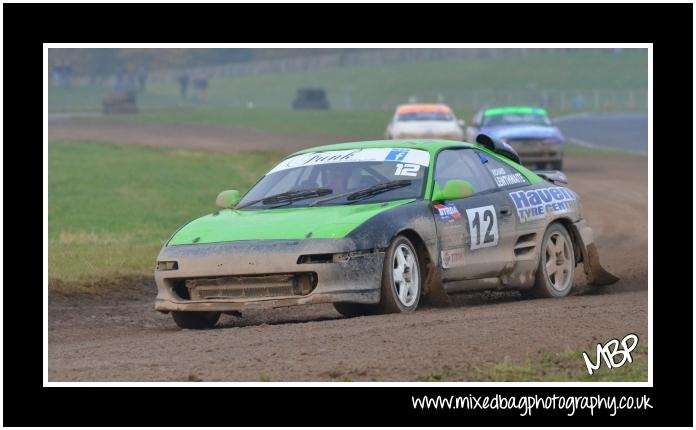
{"x":535,"y":204}
{"x":483,"y":227}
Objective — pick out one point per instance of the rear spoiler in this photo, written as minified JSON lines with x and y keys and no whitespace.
{"x":553,"y":176}
{"x":498,"y":147}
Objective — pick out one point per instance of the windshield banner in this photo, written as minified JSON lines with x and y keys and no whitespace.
{"x":387,"y":155}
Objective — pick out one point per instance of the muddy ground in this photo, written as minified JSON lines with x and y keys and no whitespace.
{"x":120,"y":338}
{"x":194,"y":137}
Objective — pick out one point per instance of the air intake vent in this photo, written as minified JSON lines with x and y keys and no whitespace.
{"x":252,"y":287}
{"x":525,"y":244}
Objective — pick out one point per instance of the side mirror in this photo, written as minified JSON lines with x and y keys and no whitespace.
{"x":461,"y":123}
{"x":228,"y":199}
{"x":454,"y":189}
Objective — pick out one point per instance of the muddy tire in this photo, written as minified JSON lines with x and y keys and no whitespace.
{"x":557,"y":165}
{"x":196,"y":320}
{"x":402,"y":278}
{"x":350,"y":310}
{"x":556,"y":270}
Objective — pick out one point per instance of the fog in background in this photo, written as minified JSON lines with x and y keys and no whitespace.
{"x":561,"y":79}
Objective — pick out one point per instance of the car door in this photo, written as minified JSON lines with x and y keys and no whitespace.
{"x":475,"y":233}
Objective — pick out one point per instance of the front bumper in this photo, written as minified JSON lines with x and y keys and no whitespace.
{"x":352,"y":279}
{"x":534,"y":151}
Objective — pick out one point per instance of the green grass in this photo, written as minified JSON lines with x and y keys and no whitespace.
{"x":547,"y":367}
{"x":111,"y":207}
{"x":381,"y":87}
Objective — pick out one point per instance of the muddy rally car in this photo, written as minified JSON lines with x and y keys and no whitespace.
{"x":528,"y":129}
{"x":429,"y":121}
{"x":379,"y":227}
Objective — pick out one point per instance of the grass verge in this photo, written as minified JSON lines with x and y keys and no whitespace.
{"x":547,"y":367}
{"x":366,"y":125}
{"x":111,"y":207}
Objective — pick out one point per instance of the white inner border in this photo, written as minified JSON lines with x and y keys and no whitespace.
{"x":648,"y":46}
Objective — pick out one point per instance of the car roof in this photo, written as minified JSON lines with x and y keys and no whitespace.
{"x":503,"y":110}
{"x":423,"y":107}
{"x":430,"y":145}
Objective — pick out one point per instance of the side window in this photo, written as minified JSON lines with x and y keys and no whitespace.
{"x":503,"y":174}
{"x":463,"y":164}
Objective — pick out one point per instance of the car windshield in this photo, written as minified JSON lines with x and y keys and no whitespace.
{"x":523,"y":117}
{"x":341,"y":177}
{"x":425,"y":116}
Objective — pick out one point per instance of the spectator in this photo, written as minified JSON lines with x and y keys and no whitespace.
{"x":120,"y":83}
{"x":142,"y":77}
{"x":201,"y":85}
{"x":67,"y":75}
{"x":183,"y":84}
{"x":579,"y":101}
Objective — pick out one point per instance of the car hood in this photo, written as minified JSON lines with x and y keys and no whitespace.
{"x":523,"y":132}
{"x":426,"y":127}
{"x":321,"y":222}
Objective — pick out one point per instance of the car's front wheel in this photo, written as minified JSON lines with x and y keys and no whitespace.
{"x":401,"y":278}
{"x":555,"y":274}
{"x":196,"y":320}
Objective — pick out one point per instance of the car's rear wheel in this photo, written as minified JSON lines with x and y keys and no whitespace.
{"x":401,"y":278}
{"x":196,"y":320}
{"x":555,"y":274}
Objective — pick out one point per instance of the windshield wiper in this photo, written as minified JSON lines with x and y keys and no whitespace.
{"x":289,"y":196}
{"x":382,"y":187}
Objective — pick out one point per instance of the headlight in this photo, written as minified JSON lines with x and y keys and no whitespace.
{"x":167,"y":265}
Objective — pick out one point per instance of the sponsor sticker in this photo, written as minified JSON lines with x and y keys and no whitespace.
{"x":512,"y":179}
{"x":536,"y":204}
{"x":448,"y":212}
{"x":396,"y":155}
{"x":452,"y":257}
{"x":410,"y":156}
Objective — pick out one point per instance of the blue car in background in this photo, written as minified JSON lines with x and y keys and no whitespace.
{"x":527,"y":129}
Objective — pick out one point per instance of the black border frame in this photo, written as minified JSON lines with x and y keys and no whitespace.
{"x":27,"y":26}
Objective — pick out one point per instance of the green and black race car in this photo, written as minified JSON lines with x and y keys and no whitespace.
{"x":376,"y":227}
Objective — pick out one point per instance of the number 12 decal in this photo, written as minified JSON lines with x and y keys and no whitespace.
{"x":406,"y":169}
{"x":483,"y":227}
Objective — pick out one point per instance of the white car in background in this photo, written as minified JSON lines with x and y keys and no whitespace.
{"x":423,"y":121}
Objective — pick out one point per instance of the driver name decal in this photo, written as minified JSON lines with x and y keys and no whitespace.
{"x":535,"y":204}
{"x":385,"y":155}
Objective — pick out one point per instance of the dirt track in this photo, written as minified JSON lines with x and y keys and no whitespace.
{"x":195,"y":137}
{"x":120,"y":338}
